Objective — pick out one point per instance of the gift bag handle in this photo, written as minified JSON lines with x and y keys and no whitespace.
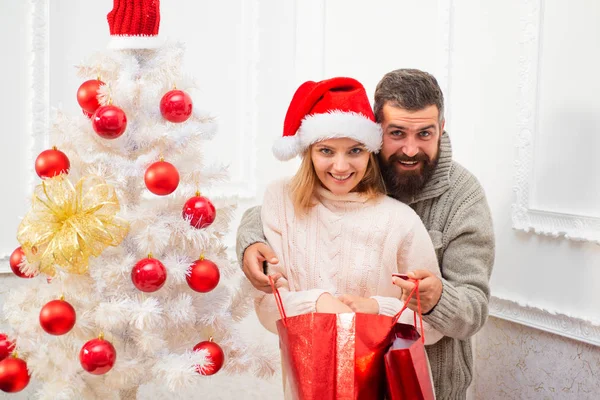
{"x":278,"y":301}
{"x":415,"y":293}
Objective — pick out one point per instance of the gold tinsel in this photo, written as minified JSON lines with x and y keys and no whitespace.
{"x":67,"y":224}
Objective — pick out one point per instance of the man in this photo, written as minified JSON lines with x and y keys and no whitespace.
{"x":416,"y":163}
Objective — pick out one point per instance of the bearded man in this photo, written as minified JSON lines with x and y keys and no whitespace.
{"x":417,"y":167}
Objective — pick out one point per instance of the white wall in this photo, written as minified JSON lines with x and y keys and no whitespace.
{"x":250,"y":56}
{"x":550,"y":273}
{"x":15,"y":163}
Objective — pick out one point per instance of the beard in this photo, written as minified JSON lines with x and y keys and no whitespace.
{"x":405,"y":184}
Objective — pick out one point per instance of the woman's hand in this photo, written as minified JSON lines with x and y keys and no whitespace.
{"x":360,"y":304}
{"x":326,"y":303}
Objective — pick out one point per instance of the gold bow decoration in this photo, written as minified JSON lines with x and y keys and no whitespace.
{"x":67,"y":224}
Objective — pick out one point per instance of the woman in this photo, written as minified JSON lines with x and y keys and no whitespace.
{"x":337,"y":236}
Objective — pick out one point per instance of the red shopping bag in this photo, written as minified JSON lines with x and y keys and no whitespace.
{"x":335,"y":356}
{"x":406,"y":366}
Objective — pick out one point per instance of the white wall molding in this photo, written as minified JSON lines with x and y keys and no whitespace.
{"x":445,"y":54}
{"x":40,"y":81}
{"x":524,"y":216}
{"x":244,"y":184}
{"x":310,"y":30}
{"x":4,"y":264}
{"x":309,"y":41}
{"x":558,"y":324}
{"x":39,"y":97}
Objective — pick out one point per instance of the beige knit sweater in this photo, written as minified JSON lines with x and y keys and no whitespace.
{"x":344,"y":245}
{"x":454,"y":209}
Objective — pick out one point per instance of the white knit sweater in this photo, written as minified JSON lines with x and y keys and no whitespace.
{"x":344,"y":245}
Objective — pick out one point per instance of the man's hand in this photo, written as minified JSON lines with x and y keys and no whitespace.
{"x":430,"y":289}
{"x":360,"y":304}
{"x":252,"y":265}
{"x":326,"y":303}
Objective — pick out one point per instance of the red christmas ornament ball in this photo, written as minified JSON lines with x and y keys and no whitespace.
{"x":97,"y":356}
{"x":57,"y":317}
{"x":199,"y":211}
{"x":87,"y":114}
{"x":16,"y":258}
{"x":203,"y":276}
{"x":6,"y":346}
{"x":52,"y":162}
{"x":149,"y":275}
{"x":215,"y":355}
{"x":14,"y":375}
{"x":86,"y":95}
{"x":109,"y":122}
{"x":176,"y":106}
{"x":161,"y":178}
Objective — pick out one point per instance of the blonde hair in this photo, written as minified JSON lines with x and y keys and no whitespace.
{"x":305,"y":183}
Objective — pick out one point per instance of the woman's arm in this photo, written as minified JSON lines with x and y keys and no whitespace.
{"x":415,"y":252}
{"x":294,"y":302}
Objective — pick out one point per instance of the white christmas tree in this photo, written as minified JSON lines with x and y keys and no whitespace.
{"x":127,"y":239}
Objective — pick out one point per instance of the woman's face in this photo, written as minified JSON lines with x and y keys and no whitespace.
{"x":340,"y":164}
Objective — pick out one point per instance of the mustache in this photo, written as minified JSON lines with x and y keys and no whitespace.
{"x":420,"y":156}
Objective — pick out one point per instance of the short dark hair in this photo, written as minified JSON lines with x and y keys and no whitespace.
{"x":411,"y":89}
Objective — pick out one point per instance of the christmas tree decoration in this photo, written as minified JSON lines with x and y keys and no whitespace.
{"x":14,"y":375}
{"x":149,"y":275}
{"x":87,"y":233}
{"x":57,"y":317}
{"x":109,"y":122}
{"x":176,"y":106}
{"x":50,"y":163}
{"x":16,"y":258}
{"x":68,"y":224}
{"x":215,"y":355}
{"x":98,"y":356}
{"x":161,"y":178}
{"x":87,"y":95}
{"x":203,"y":275}
{"x":199,"y":211}
{"x":6,"y":346}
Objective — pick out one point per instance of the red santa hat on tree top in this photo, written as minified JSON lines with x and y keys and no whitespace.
{"x":333,"y":108}
{"x":134,"y":24}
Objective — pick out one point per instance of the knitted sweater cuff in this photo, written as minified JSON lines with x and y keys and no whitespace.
{"x":245,"y":241}
{"x":388,"y":305}
{"x":446,"y":309}
{"x":249,"y":232}
{"x":303,"y":302}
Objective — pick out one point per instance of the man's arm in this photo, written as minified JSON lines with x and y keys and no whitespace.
{"x":253,"y":250}
{"x":249,"y":232}
{"x":466,"y":269}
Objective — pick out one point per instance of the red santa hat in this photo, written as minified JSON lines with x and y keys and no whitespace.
{"x":333,"y":108}
{"x":134,"y":24}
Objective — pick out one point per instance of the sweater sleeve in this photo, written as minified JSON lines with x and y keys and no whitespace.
{"x":415,"y":251}
{"x":467,"y":265}
{"x":249,"y":232}
{"x":294,"y":302}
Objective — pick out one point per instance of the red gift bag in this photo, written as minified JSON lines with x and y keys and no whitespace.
{"x":406,"y":365}
{"x":335,"y":356}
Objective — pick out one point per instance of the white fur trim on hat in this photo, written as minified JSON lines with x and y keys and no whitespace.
{"x":287,"y":147}
{"x":338,"y":124}
{"x":123,"y":42}
{"x":331,"y":125}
